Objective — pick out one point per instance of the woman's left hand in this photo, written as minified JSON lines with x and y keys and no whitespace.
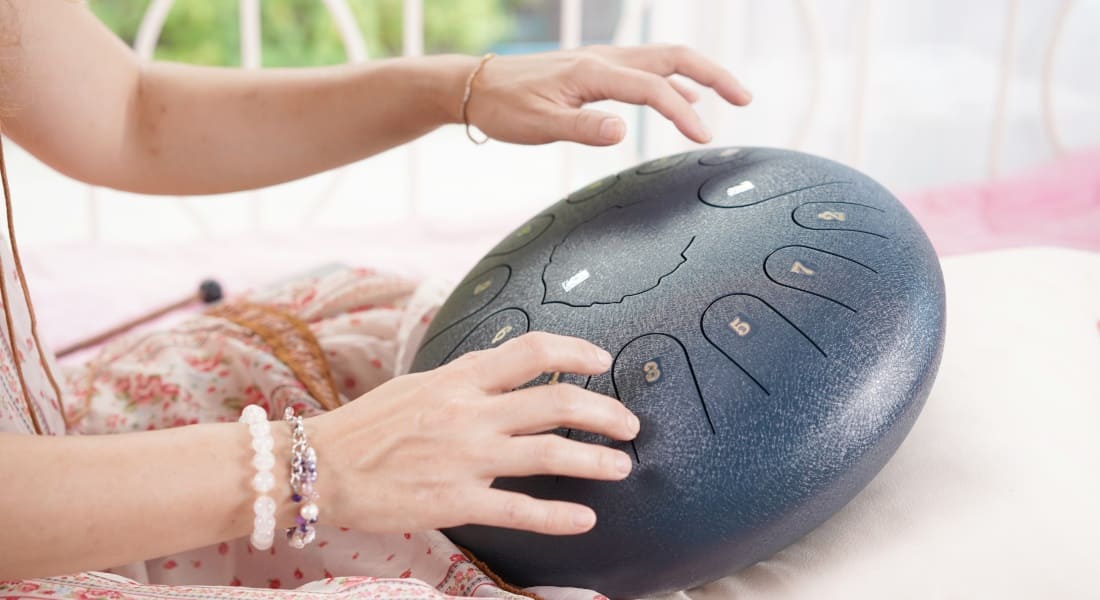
{"x":539,"y":98}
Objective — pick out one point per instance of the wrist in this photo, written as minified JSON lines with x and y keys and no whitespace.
{"x":447,"y":84}
{"x":288,"y":502}
{"x":328,"y":460}
{"x":286,"y":509}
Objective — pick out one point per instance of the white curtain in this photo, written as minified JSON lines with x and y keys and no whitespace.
{"x":907,"y":91}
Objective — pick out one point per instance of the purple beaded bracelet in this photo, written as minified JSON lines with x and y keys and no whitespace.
{"x":303,"y":474}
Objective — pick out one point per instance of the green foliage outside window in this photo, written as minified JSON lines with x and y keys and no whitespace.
{"x":302,"y":33}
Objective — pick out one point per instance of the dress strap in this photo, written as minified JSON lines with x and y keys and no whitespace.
{"x":30,"y":306}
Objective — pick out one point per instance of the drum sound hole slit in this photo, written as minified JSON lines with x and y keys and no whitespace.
{"x":795,"y":221}
{"x":703,"y":330}
{"x":801,"y":189}
{"x":792,"y":324}
{"x":527,"y":242}
{"x":841,"y":256}
{"x":630,"y":401}
{"x":464,"y":318}
{"x":805,"y":291}
{"x":883,"y":211}
{"x":823,"y":297}
{"x":691,"y":371}
{"x":698,"y":390}
{"x":450,"y":355}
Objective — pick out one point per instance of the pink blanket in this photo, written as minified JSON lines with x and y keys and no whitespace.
{"x":1055,"y":205}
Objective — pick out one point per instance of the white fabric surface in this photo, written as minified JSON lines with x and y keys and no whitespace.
{"x":996,"y":492}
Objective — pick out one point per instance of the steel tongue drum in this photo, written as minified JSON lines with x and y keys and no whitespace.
{"x":776,"y":320}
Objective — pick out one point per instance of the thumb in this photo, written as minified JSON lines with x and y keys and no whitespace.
{"x":592,"y":127}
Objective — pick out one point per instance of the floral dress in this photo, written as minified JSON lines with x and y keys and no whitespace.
{"x":312,"y":344}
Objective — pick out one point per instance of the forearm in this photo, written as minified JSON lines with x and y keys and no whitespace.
{"x":196,"y":130}
{"x":91,"y":502}
{"x":75,"y":96}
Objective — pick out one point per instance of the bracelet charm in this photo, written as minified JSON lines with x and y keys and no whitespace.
{"x":303,"y":474}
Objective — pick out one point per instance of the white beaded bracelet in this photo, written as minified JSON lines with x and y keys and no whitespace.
{"x":263,"y":509}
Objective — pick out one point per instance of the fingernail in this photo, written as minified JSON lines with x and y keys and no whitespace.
{"x":611,"y":129}
{"x":633,"y":424}
{"x":584,"y":519}
{"x":603,"y":356}
{"x":704,"y":133}
{"x":623,"y":464}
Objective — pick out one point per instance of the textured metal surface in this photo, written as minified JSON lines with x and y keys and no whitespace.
{"x":777,"y":320}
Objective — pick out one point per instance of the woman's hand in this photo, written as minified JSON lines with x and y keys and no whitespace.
{"x":536,"y":99}
{"x":421,"y":451}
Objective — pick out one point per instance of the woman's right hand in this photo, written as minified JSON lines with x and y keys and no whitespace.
{"x":421,"y":451}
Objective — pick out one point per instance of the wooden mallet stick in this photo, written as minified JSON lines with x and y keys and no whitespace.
{"x":209,"y":292}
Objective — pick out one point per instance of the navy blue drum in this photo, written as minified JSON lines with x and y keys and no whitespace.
{"x":776,"y":319}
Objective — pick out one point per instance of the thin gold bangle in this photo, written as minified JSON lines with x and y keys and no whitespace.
{"x":466,"y":97}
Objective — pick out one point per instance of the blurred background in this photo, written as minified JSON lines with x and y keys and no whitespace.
{"x":983,"y":116}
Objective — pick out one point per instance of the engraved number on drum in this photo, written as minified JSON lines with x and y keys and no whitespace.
{"x":831,"y":215}
{"x":740,"y":188}
{"x":481,"y":287}
{"x":652,"y":370}
{"x":801,"y":269}
{"x":501,"y":334}
{"x":577,"y":279}
{"x":740,"y":326}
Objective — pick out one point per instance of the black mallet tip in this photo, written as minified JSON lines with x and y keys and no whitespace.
{"x":210,"y":291}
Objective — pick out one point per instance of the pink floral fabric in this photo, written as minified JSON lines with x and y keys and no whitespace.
{"x":105,"y":586}
{"x":207,"y":369}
